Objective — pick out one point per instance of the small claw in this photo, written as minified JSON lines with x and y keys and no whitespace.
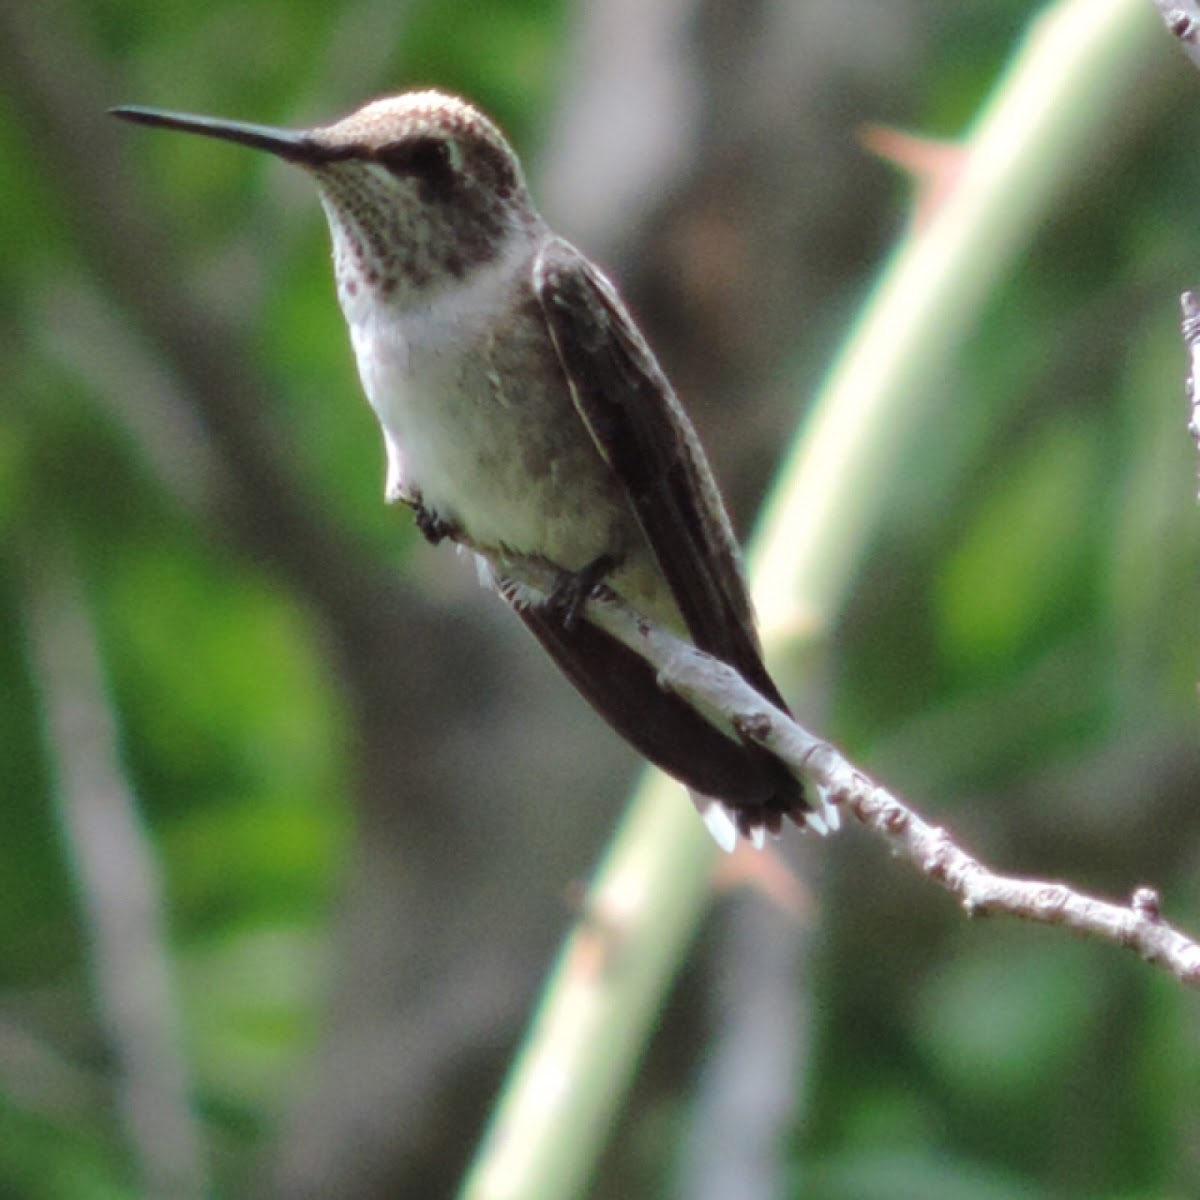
{"x":758,"y":836}
{"x":574,"y":589}
{"x":434,"y":528}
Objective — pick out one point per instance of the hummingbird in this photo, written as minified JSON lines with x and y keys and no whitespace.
{"x":525,"y":416}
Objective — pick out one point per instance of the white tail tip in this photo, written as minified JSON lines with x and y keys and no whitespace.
{"x":722,"y":824}
{"x":719,"y":822}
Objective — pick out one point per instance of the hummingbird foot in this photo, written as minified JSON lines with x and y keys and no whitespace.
{"x":574,"y":589}
{"x":433,"y":528}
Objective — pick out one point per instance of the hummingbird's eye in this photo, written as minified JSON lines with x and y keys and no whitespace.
{"x":426,"y":159}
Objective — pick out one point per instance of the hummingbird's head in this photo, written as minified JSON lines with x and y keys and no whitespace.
{"x":419,"y":189}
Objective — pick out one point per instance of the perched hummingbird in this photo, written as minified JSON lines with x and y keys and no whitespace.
{"x":523,"y":413}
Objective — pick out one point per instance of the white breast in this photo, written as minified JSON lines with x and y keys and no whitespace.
{"x":455,"y":433}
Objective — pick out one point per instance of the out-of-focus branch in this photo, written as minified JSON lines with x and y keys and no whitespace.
{"x":120,"y":891}
{"x":1058,"y":96}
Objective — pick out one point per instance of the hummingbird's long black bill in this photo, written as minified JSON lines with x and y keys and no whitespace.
{"x":294,"y":144}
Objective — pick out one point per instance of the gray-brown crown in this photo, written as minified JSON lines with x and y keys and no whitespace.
{"x":418,"y":187}
{"x":394,"y":129}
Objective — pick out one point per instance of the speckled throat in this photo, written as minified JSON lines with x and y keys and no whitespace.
{"x":389,"y":240}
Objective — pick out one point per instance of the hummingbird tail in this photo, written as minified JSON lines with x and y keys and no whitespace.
{"x":756,"y":787}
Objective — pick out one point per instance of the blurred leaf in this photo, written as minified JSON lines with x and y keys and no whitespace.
{"x":1000,"y":1029}
{"x":903,"y":1175}
{"x":1019,"y":569}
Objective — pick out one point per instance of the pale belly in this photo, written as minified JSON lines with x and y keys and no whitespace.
{"x":479,"y":425}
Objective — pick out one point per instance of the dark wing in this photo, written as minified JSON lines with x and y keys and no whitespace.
{"x":643,"y":434}
{"x":624,"y":689}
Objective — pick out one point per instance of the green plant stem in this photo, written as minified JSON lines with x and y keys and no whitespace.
{"x":1048,"y":114}
{"x":1047,"y":117}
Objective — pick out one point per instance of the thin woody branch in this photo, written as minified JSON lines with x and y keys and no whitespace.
{"x":1182,"y":19}
{"x":697,"y":676}
{"x":1189,"y":305}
